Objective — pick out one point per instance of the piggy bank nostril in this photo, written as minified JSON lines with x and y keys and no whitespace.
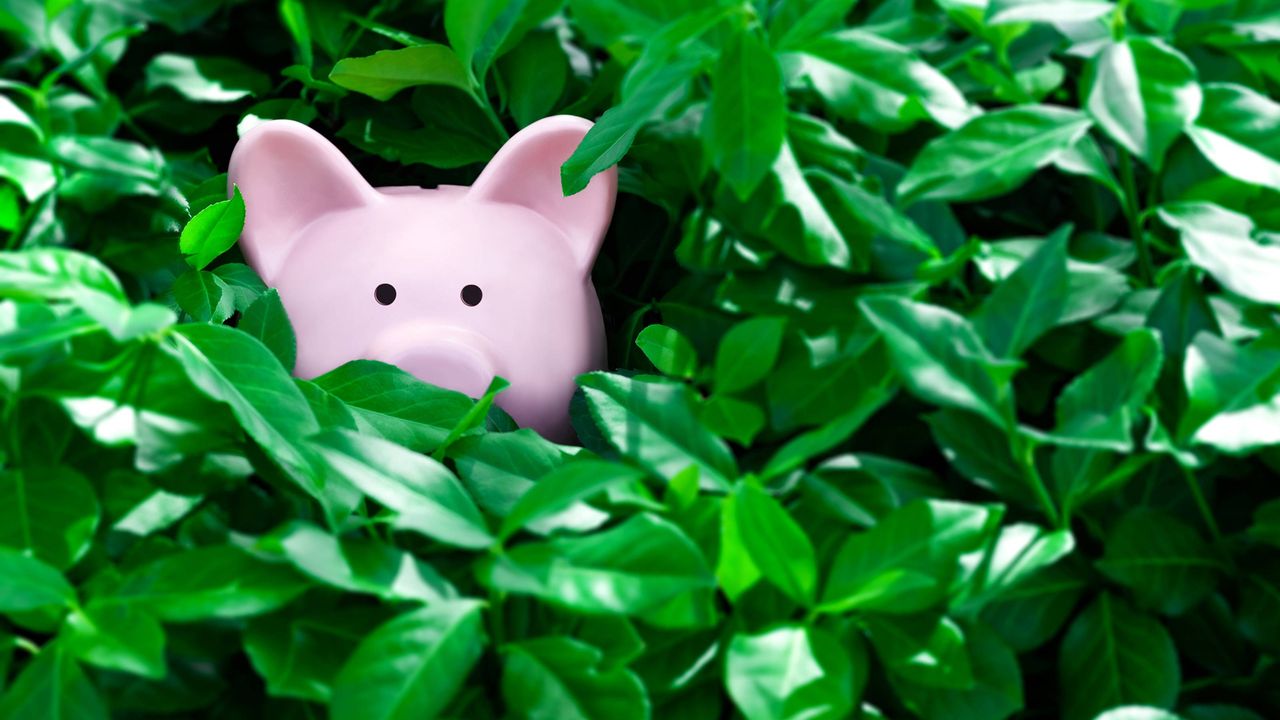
{"x":472,"y":295}
{"x":385,"y":294}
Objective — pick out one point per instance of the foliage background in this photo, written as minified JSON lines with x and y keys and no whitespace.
{"x":945,"y":348}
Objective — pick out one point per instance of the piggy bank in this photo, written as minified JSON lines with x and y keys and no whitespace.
{"x":454,"y":284}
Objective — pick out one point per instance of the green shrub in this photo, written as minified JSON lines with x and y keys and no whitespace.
{"x":944,"y":346}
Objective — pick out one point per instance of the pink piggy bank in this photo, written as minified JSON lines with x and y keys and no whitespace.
{"x":454,"y":285}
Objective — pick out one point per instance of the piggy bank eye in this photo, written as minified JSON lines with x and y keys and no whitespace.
{"x":472,"y":295}
{"x":385,"y":294}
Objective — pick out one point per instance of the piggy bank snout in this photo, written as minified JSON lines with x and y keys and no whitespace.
{"x":449,"y":357}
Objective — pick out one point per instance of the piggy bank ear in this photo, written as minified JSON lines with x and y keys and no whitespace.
{"x":289,"y":175}
{"x":526,"y":171}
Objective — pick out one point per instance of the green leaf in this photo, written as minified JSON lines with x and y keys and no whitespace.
{"x":1114,"y":655}
{"x":560,"y":677}
{"x":984,"y":454}
{"x":421,"y":493}
{"x":1163,"y":561}
{"x":1238,"y":130}
{"x":748,"y":352}
{"x":480,"y":30}
{"x":117,"y":636}
{"x":562,"y":488}
{"x":203,"y":296}
{"x":1018,"y":555}
{"x":536,"y":72}
{"x":1032,"y":612}
{"x":212,"y":231}
{"x":355,"y":564}
{"x":499,"y":468}
{"x":790,"y":672}
{"x":906,"y":562}
{"x":777,"y":545}
{"x":1139,"y":712}
{"x":746,"y":120}
{"x":731,"y":418}
{"x":1029,"y":302}
{"x":53,"y":687}
{"x":1266,"y":523}
{"x":636,"y":567}
{"x":927,"y":650}
{"x":864,"y":77}
{"x":668,"y":350}
{"x":653,"y":424}
{"x":231,"y":367}
{"x":299,"y":650}
{"x":387,"y":72}
{"x":267,"y":320}
{"x":996,"y":691}
{"x":50,"y":513}
{"x":796,"y":21}
{"x":205,"y":79}
{"x":1144,"y":94}
{"x":1004,"y":12}
{"x":992,"y":154}
{"x":396,"y":405}
{"x":411,"y":666}
{"x":30,"y":584}
{"x":1099,"y":407}
{"x":218,"y":581}
{"x":1232,"y":403}
{"x":1224,"y":244}
{"x":940,"y":357}
{"x":671,"y":58}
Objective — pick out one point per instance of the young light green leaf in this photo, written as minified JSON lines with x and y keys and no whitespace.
{"x":387,"y":72}
{"x":1144,"y":94}
{"x":668,"y":350}
{"x":213,"y":231}
{"x":732,"y":419}
{"x":992,"y":154}
{"x":746,"y":120}
{"x":411,"y":666}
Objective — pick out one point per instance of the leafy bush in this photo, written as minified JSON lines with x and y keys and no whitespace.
{"x":944,"y":346}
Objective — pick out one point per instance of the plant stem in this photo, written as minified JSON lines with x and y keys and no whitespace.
{"x":1025,"y":452}
{"x":1203,"y":506}
{"x":1133,"y":216}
